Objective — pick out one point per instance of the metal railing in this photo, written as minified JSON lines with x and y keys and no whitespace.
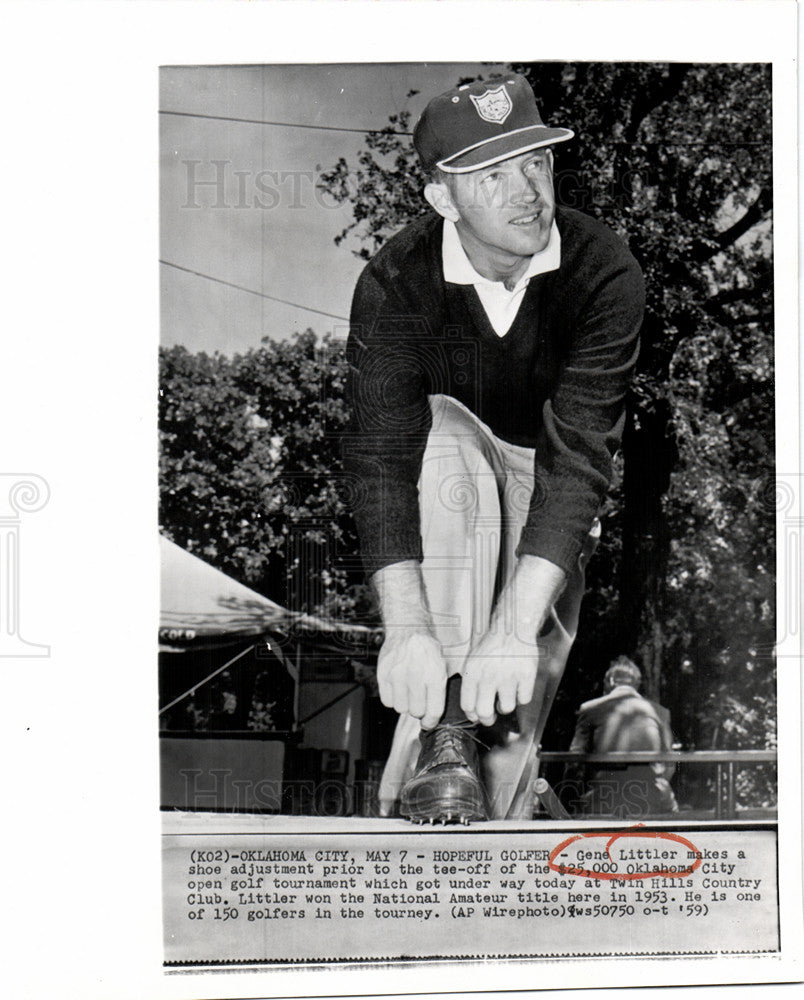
{"x":726,"y":762}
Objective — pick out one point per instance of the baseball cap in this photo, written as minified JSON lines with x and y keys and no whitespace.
{"x":481,"y":123}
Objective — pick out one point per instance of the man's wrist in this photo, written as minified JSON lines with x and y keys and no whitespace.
{"x":527,"y":598}
{"x":403,"y":599}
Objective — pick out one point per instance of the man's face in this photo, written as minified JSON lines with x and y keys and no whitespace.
{"x":508,"y":207}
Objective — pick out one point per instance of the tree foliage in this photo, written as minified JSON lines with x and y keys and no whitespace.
{"x":249,"y":464}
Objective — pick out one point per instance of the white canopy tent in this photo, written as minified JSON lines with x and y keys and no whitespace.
{"x":200,"y":604}
{"x":203,"y":609}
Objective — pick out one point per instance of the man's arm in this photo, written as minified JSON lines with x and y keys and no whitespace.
{"x":668,"y":769}
{"x":392,"y":322}
{"x":501,"y":670}
{"x":583,"y":422}
{"x":411,"y":672}
{"x":584,"y":416}
{"x":582,"y":742}
{"x":383,"y":447}
{"x":582,"y":739}
{"x":393,"y":314}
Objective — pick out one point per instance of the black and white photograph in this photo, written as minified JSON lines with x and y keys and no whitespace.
{"x":400,"y":527}
{"x":467,"y":504}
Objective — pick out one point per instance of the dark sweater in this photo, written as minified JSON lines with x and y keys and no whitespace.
{"x":555,"y":382}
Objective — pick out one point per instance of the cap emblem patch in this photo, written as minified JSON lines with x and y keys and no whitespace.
{"x":493,"y":105}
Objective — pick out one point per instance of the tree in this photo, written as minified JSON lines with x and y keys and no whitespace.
{"x":249,"y":470}
{"x":676,"y":159}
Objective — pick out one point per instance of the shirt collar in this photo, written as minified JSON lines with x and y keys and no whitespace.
{"x":459,"y":271}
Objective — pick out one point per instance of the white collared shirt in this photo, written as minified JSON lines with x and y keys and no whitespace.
{"x":500,"y":305}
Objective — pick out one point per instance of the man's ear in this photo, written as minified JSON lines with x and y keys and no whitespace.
{"x":440,"y":199}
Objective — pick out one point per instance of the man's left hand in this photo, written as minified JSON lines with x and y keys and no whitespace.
{"x":499,"y":674}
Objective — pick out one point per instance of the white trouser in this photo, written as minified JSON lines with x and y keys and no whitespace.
{"x":474,"y":496}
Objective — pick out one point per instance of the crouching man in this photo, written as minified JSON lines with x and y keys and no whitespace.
{"x":491,"y":346}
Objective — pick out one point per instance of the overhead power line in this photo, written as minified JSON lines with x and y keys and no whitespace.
{"x":259,"y":121}
{"x":716,"y":143}
{"x":251,"y":291}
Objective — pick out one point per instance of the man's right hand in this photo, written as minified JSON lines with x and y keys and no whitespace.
{"x":412,"y":675}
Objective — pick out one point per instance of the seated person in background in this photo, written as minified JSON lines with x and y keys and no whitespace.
{"x":624,"y":720}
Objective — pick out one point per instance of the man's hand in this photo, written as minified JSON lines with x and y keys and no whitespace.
{"x":500,"y":671}
{"x":411,"y":671}
{"x":412,"y":675}
{"x":499,"y":675}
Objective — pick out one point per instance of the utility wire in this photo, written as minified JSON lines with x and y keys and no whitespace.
{"x":259,"y":121}
{"x":737,"y":143}
{"x":251,"y":291}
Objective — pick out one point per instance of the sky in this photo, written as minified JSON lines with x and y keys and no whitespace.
{"x":238,"y":199}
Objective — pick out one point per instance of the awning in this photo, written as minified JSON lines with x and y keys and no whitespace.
{"x":201,"y":605}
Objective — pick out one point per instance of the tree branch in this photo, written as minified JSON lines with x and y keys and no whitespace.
{"x":705,"y":249}
{"x":763,"y":282}
{"x":648,"y":102}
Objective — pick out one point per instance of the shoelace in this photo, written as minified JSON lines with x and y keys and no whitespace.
{"x":448,"y":735}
